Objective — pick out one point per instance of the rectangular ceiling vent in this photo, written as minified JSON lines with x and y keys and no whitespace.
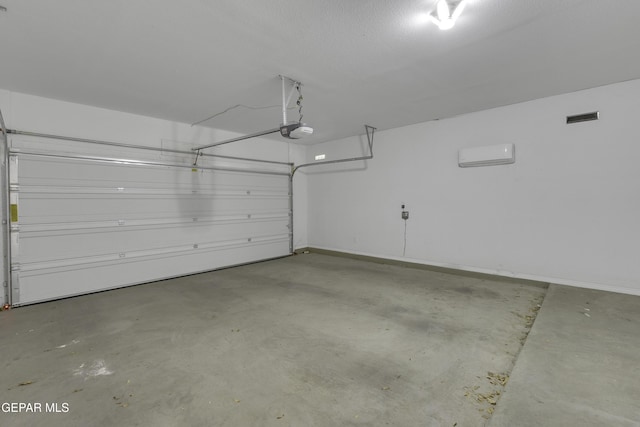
{"x":586,"y":117}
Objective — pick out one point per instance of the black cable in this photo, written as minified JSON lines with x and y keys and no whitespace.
{"x":404,"y":249}
{"x":232,"y":108}
{"x":299,"y":103}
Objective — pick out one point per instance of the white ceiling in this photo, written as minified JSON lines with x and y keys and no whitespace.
{"x":361,"y":61}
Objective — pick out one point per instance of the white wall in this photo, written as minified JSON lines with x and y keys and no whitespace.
{"x":568,"y":210}
{"x":42,"y":115}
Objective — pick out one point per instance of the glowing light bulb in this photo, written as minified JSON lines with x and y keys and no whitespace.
{"x":443,"y":10}
{"x":445,"y":19}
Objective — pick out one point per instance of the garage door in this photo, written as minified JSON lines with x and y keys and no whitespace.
{"x":82,"y":224}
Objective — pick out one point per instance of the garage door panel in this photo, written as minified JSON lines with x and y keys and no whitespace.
{"x":51,"y":245}
{"x":34,"y":209}
{"x":51,"y":283}
{"x":151,"y":188}
{"x":84,"y":225}
{"x":99,"y":221}
{"x":42,"y":170}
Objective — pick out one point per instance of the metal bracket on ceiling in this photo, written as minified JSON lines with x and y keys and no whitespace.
{"x":286,"y":99}
{"x":370,"y":130}
{"x":195,"y":161}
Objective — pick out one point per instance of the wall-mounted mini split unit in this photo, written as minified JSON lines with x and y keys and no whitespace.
{"x":501,"y":154}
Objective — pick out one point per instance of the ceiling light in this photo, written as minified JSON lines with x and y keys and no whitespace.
{"x":445,"y":15}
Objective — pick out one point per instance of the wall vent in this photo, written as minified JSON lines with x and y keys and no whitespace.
{"x":586,"y":117}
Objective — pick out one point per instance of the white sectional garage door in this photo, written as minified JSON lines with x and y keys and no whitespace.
{"x":83,"y":224}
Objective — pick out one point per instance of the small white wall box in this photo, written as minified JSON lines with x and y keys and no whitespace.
{"x":501,"y":154}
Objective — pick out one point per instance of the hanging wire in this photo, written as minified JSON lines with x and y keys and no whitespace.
{"x":299,"y":101}
{"x":232,"y":108}
{"x":404,"y":248}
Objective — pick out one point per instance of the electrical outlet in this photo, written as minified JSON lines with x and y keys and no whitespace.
{"x":405,"y":215}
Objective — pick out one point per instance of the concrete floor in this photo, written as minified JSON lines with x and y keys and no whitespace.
{"x":580,"y":365}
{"x":314,"y":340}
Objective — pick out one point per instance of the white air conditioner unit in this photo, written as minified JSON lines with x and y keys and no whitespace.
{"x":502,"y":154}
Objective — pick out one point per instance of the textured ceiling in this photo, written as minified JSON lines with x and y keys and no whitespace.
{"x":361,"y":61}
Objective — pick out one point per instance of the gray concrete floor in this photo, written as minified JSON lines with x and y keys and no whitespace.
{"x":580,"y":365}
{"x":315,"y":340}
